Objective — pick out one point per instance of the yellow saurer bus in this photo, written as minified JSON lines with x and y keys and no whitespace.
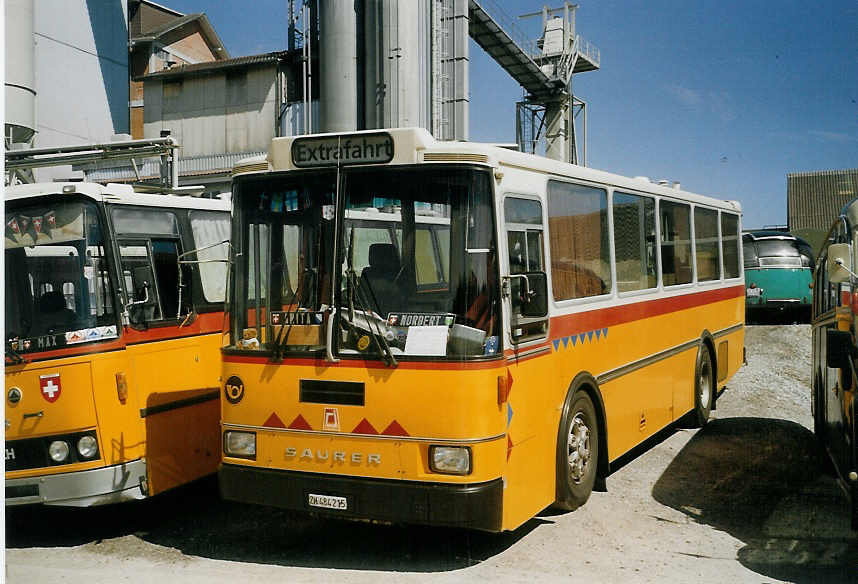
{"x":112,"y":333}
{"x":458,"y":334}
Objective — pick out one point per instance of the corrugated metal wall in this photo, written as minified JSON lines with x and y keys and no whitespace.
{"x":814,"y":199}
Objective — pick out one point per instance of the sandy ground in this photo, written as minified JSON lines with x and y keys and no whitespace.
{"x":749,"y":498}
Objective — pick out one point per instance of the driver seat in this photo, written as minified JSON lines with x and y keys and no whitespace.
{"x":53,"y":312}
{"x":379,"y":279}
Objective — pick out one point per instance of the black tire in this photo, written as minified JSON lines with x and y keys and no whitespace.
{"x":816,"y":408}
{"x":704,"y":387}
{"x":577,"y":452}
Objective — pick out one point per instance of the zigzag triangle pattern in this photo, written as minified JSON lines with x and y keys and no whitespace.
{"x":580,"y":339}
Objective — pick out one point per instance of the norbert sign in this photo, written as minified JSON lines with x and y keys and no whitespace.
{"x":334,"y":150}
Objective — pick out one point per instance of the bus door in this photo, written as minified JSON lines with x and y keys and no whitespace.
{"x":168,"y":354}
{"x":532,"y":429}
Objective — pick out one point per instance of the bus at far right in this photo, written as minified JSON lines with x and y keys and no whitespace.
{"x":778,"y":276}
{"x":833,"y":398}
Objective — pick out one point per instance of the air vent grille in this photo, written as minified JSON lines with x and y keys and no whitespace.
{"x":253,"y":167}
{"x":454,"y":157}
{"x":345,"y":393}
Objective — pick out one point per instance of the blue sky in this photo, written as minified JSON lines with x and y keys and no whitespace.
{"x":726,"y":97}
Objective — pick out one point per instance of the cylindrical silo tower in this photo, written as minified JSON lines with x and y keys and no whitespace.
{"x":20,"y":114}
{"x":337,"y":66}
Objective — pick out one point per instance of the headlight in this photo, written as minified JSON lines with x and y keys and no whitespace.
{"x":59,"y":451}
{"x":450,"y":459}
{"x":87,"y":447}
{"x":240,"y":444}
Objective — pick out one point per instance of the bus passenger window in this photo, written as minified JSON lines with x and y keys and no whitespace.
{"x":165,"y":255}
{"x":579,"y":239}
{"x":706,"y":248}
{"x":209,"y":229}
{"x":730,"y":242}
{"x":676,"y":267}
{"x":634,"y":242}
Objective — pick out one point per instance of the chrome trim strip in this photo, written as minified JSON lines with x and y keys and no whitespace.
{"x":211,"y":394}
{"x":529,"y":353}
{"x":227,"y":426}
{"x":666,"y":354}
{"x":728,"y":330}
{"x":641,"y":363}
{"x":110,"y":484}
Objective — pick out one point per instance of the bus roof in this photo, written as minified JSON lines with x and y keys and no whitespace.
{"x":118,"y":194}
{"x":416,"y":145}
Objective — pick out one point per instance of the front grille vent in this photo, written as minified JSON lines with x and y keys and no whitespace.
{"x":454,"y":157}
{"x":346,"y":393}
{"x":781,"y":262}
{"x":251,"y":167}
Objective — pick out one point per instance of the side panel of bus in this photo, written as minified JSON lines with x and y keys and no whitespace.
{"x":173,"y":351}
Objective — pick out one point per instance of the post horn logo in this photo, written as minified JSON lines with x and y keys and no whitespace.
{"x":14,"y":395}
{"x":233,"y":389}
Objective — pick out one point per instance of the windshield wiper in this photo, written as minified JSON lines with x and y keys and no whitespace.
{"x":354,"y":293}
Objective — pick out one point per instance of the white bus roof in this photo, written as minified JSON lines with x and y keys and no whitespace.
{"x":416,"y":145}
{"x":112,"y":193}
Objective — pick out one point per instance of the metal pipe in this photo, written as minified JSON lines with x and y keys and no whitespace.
{"x":257,"y":280}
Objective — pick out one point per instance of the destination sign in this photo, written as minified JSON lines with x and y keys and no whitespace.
{"x":302,"y":317}
{"x":342,"y":150}
{"x":420,"y":319}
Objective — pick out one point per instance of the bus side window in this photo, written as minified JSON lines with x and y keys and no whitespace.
{"x":209,"y":229}
{"x":707,"y":251}
{"x":139,"y":282}
{"x":676,"y":266}
{"x":165,"y":255}
{"x":579,"y":239}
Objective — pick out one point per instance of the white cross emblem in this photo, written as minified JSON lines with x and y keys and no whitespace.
{"x":50,"y":389}
{"x":50,"y":386}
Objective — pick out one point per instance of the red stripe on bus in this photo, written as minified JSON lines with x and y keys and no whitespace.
{"x":601,"y":318}
{"x":74,"y":350}
{"x":362,"y":364}
{"x":208,"y":323}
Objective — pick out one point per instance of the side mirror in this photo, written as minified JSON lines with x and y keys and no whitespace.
{"x":529,"y":293}
{"x":839,"y":262}
{"x":840,"y":351}
{"x":140,"y":281}
{"x":536,"y":301}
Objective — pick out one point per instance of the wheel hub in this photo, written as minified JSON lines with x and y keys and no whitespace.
{"x":578,"y":448}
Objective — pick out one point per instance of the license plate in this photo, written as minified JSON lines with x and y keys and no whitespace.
{"x":328,"y":502}
{"x":754,"y":291}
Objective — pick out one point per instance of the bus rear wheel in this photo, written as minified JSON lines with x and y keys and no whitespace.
{"x":577,"y":452}
{"x":704,"y":387}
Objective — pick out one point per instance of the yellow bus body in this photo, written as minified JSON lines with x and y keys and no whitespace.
{"x":514,"y":441}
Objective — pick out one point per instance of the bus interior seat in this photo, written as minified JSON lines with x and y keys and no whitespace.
{"x":53,"y":311}
{"x":379,"y":278}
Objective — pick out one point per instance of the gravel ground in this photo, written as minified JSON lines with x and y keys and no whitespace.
{"x":749,"y":498}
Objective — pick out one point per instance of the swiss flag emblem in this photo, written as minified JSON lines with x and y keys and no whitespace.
{"x":50,"y":386}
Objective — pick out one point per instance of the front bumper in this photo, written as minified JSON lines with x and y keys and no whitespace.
{"x":473,"y":506}
{"x":86,"y":488}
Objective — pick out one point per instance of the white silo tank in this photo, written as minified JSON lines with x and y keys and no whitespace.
{"x":20,"y":114}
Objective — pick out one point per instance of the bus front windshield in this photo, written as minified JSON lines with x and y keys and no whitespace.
{"x":415,"y":273}
{"x":58,"y":289}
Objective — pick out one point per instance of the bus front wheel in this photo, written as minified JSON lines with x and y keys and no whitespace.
{"x":577,"y":452}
